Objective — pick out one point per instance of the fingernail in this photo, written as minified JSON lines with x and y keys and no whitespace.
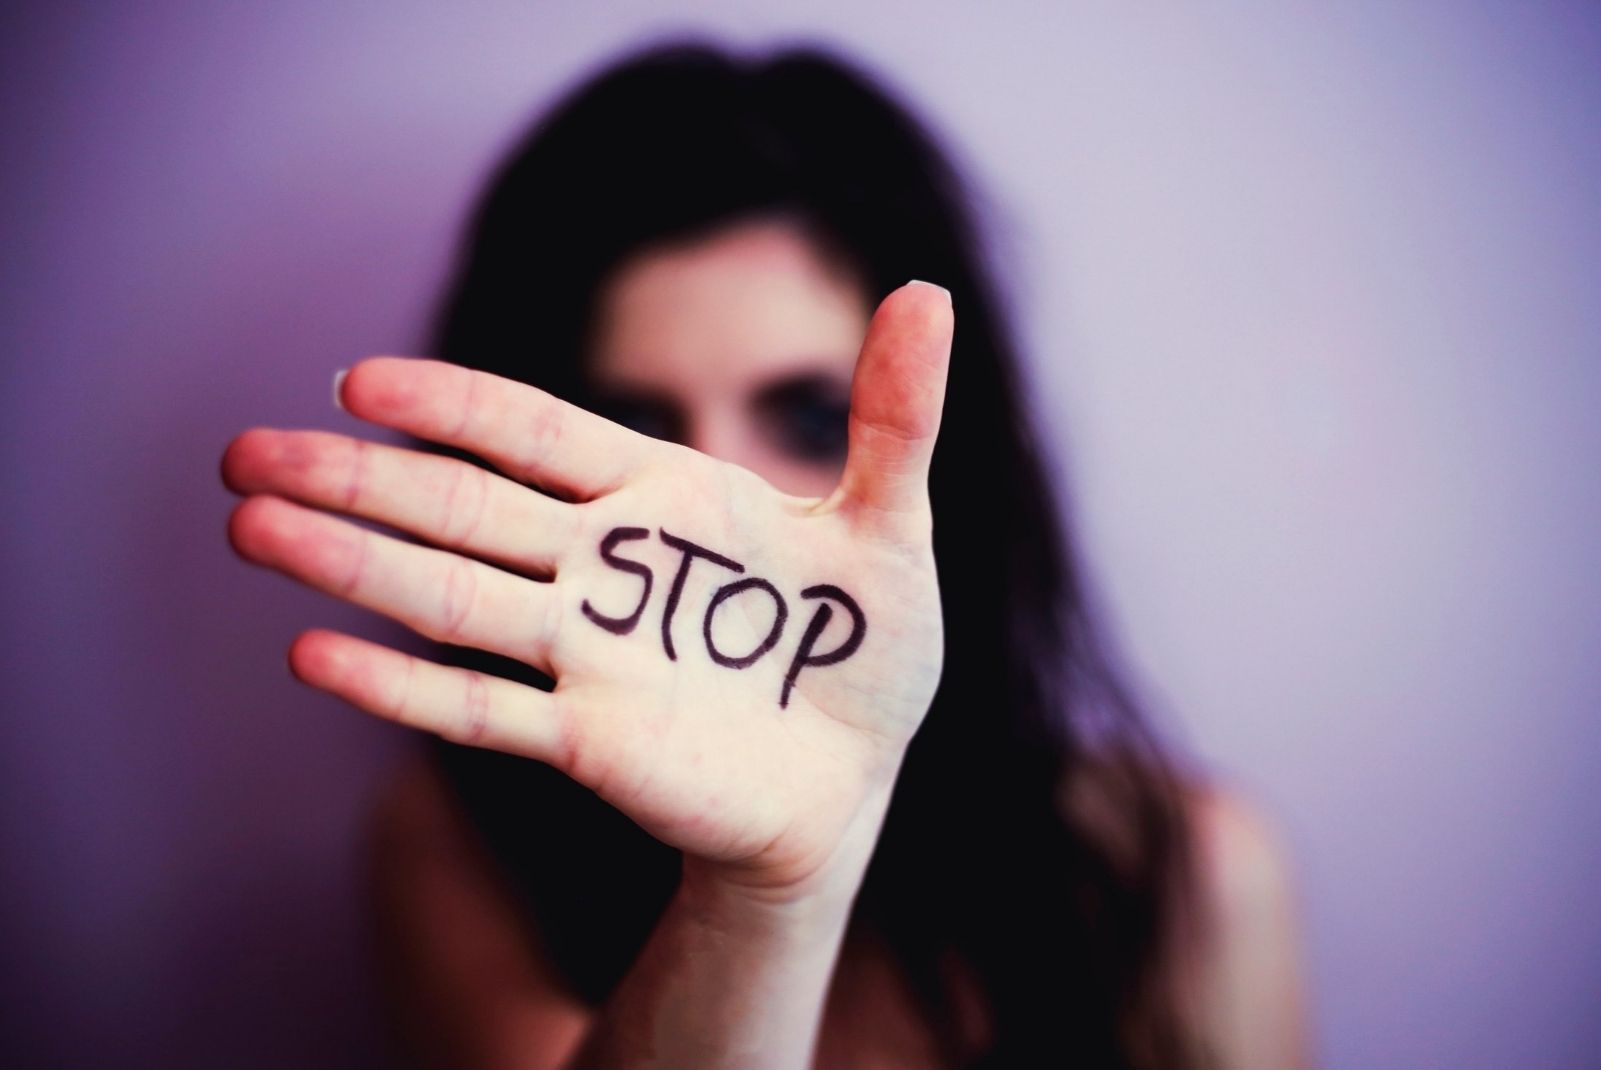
{"x":339,"y":377}
{"x":932,"y":286}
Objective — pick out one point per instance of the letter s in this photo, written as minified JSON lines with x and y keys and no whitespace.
{"x":608,"y":553}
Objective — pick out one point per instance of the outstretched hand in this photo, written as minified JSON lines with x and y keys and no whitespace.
{"x":737,"y":669}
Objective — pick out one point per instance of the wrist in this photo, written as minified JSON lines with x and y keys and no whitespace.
{"x":723,"y":902}
{"x":818,"y":900}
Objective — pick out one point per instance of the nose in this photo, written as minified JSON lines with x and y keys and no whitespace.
{"x":717,"y":432}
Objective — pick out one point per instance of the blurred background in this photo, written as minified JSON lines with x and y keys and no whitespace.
{"x":1310,"y":299}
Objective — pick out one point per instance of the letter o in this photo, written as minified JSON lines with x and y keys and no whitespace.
{"x":729,"y":591}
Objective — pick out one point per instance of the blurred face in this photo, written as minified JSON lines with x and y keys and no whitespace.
{"x":740,"y":345}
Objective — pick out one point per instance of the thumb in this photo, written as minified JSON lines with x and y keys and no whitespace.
{"x":897,"y":394}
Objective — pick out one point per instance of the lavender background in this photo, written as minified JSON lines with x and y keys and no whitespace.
{"x":1312,"y":303}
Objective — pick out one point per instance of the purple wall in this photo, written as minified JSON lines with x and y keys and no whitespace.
{"x":1313,"y":306}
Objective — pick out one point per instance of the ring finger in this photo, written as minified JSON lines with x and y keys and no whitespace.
{"x":438,"y":594}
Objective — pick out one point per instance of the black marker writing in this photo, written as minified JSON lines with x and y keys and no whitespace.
{"x":608,"y":554}
{"x":805,"y":657}
{"x":690,"y":551}
{"x":729,"y":591}
{"x":814,"y":628}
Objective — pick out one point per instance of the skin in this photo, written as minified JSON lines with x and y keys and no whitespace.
{"x":706,"y":335}
{"x":776,"y":810}
{"x":704,"y":348}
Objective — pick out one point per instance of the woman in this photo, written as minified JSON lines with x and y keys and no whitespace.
{"x":774,"y":735}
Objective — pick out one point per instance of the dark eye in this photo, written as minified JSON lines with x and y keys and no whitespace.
{"x":808,"y":419}
{"x":642,"y":414}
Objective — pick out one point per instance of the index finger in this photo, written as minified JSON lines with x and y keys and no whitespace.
{"x":529,"y":434}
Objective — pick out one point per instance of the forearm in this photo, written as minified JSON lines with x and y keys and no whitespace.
{"x":719,"y":984}
{"x":730,"y":979}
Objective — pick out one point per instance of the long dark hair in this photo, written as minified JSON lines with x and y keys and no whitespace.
{"x":993,"y":850}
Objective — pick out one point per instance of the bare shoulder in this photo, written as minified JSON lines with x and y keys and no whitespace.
{"x":415,"y":828}
{"x":414,"y":811}
{"x":467,"y":980}
{"x":1242,"y":860}
{"x":1246,"y":950}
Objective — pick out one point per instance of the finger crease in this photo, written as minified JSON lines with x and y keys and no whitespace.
{"x":358,"y":475}
{"x":402,"y":702}
{"x":461,"y":588}
{"x":475,"y":717}
{"x":353,"y":583}
{"x":467,"y":406}
{"x":480,"y":498}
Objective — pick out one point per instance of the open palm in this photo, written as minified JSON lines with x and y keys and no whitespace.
{"x":737,"y":669}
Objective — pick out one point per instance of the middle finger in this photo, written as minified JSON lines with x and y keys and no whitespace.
{"x":445,"y":501}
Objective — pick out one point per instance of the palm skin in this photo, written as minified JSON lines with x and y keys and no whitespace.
{"x":782,"y":800}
